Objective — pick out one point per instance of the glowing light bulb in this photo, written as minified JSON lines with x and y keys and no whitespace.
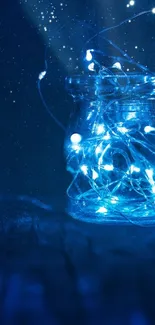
{"x":114,"y":200}
{"x":84,"y":169}
{"x":98,"y":149}
{"x":107,"y":136}
{"x":108,"y":167}
{"x":91,"y":66}
{"x":134,"y":169}
{"x":94,"y":174}
{"x":100,"y":129}
{"x":153,"y":189}
{"x":117,"y":65}
{"x":132,"y":3}
{"x":42,"y":75}
{"x":148,"y":129}
{"x":89,"y":55}
{"x":76,"y":138}
{"x":149,"y":173}
{"x":122,"y":129}
{"x":153,"y":10}
{"x":102,"y":210}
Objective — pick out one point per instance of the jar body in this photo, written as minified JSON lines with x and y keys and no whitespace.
{"x":110,"y":151}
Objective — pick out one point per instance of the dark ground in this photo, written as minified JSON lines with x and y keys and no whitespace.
{"x":55,"y":270}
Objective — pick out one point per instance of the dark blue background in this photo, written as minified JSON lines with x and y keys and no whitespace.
{"x":31,"y":144}
{"x":77,"y":272}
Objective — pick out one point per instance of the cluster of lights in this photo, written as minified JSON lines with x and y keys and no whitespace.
{"x":131,"y":3}
{"x":108,"y":181}
{"x":111,"y":159}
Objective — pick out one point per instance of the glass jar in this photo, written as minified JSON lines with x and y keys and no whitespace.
{"x":110,"y":149}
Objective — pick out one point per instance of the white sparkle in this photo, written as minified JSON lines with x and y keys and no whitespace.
{"x":84,"y":169}
{"x":148,"y":129}
{"x":108,"y":167}
{"x":94,"y":174}
{"x":117,"y":65}
{"x":102,"y":210}
{"x":76,"y":138}
{"x":91,"y":66}
{"x":42,"y":75}
{"x":88,"y":55}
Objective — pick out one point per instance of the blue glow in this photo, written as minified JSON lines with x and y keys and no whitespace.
{"x":114,"y":168}
{"x":111,"y":149}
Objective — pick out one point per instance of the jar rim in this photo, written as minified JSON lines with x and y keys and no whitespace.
{"x":112,"y":85}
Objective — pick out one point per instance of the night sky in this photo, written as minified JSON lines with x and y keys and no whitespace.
{"x":31,"y":144}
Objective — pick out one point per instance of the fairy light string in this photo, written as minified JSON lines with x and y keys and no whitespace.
{"x":111,"y":155}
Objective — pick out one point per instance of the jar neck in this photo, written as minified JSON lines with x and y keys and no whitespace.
{"x":124,"y":108}
{"x":138,"y":106}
